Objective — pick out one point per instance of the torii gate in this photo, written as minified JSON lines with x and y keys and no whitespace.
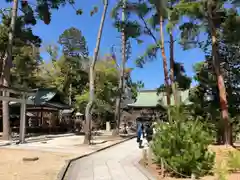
{"x":23,"y":100}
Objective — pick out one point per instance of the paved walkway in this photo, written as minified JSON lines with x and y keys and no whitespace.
{"x":117,"y":163}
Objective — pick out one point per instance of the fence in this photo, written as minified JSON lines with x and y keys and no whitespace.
{"x":148,"y":155}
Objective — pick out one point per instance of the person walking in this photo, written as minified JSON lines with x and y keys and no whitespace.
{"x":139,"y":132}
{"x":142,"y":136}
{"x":154,"y":127}
{"x":149,"y":133}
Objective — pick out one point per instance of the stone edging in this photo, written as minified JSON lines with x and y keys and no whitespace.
{"x":40,"y":138}
{"x":2,"y":144}
{"x":63,"y":172}
{"x":144,"y":171}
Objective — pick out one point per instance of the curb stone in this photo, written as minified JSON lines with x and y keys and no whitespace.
{"x":5,"y":144}
{"x":144,"y":171}
{"x":62,"y":173}
{"x":15,"y":141}
{"x":47,"y":137}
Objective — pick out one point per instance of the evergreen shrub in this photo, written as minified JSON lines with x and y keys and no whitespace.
{"x":183,"y":146}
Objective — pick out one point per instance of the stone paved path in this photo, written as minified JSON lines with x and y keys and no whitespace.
{"x":117,"y":163}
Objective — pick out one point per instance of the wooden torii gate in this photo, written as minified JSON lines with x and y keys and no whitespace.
{"x":23,"y":100}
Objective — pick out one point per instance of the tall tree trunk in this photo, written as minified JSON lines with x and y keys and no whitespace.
{"x":164,"y":58}
{"x":70,"y":95}
{"x":88,"y":111}
{"x":174,"y":90}
{"x":6,"y":74}
{"x":1,"y":67}
{"x":221,"y":85}
{"x":121,"y":77}
{"x":70,"y":90}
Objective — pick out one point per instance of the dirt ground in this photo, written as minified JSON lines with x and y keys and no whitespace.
{"x":47,"y":167}
{"x":221,"y":155}
{"x":52,"y":156}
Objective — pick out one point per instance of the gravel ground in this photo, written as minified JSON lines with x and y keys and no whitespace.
{"x":12,"y":167}
{"x":52,"y":156}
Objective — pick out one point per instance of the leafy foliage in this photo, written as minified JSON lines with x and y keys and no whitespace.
{"x":41,"y":10}
{"x":182,"y":81}
{"x":62,"y":73}
{"x":68,"y":69}
{"x":131,"y":28}
{"x":149,"y":55}
{"x":135,"y":87}
{"x":183,"y":145}
{"x":206,"y":93}
{"x":26,"y":57}
{"x":73,"y":43}
{"x":234,"y":160}
{"x":106,"y":87}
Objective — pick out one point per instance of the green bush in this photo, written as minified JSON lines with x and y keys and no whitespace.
{"x":183,"y":145}
{"x":221,"y":171}
{"x":234,"y":160}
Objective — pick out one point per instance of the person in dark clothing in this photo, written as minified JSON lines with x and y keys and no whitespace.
{"x":141,"y":136}
{"x":149,"y":133}
{"x":142,"y":127}
{"x":139,"y":132}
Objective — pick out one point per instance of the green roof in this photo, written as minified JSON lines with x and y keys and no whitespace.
{"x":56,"y":105}
{"x":42,"y":95}
{"x":46,"y":97}
{"x":150,"y":98}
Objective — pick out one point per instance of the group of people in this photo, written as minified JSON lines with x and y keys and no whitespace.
{"x":144,"y":134}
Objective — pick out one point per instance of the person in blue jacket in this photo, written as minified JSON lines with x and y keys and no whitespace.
{"x":139,"y":132}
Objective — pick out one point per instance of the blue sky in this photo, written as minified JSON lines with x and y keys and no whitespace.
{"x":65,"y":17}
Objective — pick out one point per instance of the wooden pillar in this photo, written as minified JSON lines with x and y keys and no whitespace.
{"x":23,"y":120}
{"x":41,"y":118}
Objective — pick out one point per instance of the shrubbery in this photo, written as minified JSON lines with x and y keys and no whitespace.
{"x":234,"y":160}
{"x":183,"y":145}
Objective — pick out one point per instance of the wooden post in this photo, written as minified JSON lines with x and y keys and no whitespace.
{"x":162,"y":168}
{"x":41,"y":119}
{"x":145,"y":157}
{"x":23,"y":120}
{"x":149,"y":154}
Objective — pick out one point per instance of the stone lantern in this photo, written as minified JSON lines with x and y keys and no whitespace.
{"x":78,"y":122}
